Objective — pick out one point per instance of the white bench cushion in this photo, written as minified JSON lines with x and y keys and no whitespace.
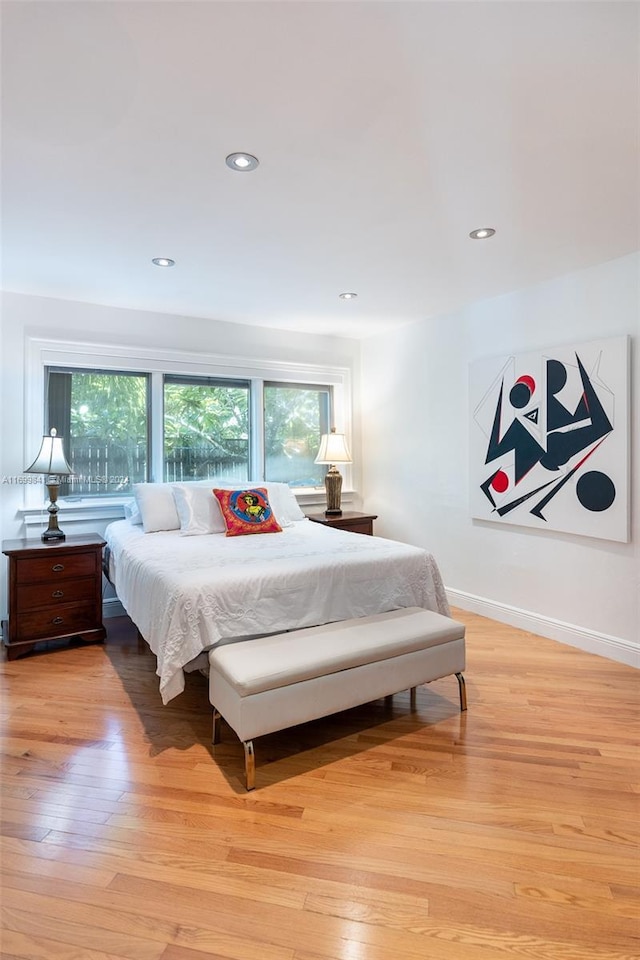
{"x":269,"y":663}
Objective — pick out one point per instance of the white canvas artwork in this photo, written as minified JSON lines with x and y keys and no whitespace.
{"x":549,"y":440}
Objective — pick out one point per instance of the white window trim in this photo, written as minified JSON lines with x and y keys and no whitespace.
{"x":41,"y":353}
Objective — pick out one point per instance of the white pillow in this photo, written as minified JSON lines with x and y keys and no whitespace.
{"x":284,"y":503}
{"x":198,"y":510}
{"x":157,"y":506}
{"x":132,"y":512}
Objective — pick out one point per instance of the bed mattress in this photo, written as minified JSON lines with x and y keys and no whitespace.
{"x":186,"y":594}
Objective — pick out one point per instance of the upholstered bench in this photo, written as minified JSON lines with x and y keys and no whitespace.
{"x":263,"y":685}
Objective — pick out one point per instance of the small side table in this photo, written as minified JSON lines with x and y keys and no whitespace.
{"x":347,"y":520}
{"x":55,"y":591}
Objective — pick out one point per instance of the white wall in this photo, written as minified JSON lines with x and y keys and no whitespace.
{"x":23,"y":317}
{"x":415,"y":471}
{"x":414,"y":439}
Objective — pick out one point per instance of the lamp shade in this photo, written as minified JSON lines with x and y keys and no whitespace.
{"x":51,"y":459}
{"x":333,"y":448}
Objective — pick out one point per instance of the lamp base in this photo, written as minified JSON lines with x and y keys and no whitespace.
{"x":53,"y":531}
{"x":53,"y":535}
{"x":333,"y":488}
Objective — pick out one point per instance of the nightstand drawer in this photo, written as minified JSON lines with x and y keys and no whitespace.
{"x":55,"y":567}
{"x":56,"y":621}
{"x":52,"y":594}
{"x":357,"y":526}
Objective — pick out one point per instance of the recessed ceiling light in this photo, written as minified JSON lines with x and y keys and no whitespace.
{"x":347,"y":296}
{"x":163,"y":262}
{"x":482,"y":234}
{"x":242,"y":162}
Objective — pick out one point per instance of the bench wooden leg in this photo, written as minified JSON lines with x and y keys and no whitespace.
{"x":463,"y":691}
{"x":249,"y":764}
{"x":217,"y":719}
{"x":412,"y":694}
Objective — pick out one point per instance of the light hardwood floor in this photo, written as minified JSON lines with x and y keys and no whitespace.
{"x":507,"y":832}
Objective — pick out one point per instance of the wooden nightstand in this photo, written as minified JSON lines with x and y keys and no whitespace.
{"x":347,"y":520}
{"x":55,"y":591}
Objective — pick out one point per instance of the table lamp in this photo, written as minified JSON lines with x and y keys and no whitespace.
{"x":52,"y":462}
{"x":333,"y":449}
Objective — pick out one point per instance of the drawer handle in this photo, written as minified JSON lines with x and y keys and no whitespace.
{"x":57,"y":594}
{"x":57,"y":620}
{"x":58,"y":567}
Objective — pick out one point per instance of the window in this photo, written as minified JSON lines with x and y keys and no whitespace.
{"x":206,"y":429}
{"x":295,"y":417}
{"x":103,"y":418}
{"x":123,"y":424}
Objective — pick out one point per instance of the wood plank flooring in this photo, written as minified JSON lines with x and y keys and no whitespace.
{"x":506,"y":833}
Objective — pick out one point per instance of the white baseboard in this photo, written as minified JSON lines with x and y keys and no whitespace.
{"x":614,"y":648}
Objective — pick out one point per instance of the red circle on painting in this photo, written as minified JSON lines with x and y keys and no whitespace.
{"x":530,"y":382}
{"x":500,"y":482}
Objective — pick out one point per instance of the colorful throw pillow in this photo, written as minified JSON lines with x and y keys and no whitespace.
{"x":247,"y":511}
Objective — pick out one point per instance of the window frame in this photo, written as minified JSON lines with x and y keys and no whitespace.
{"x":42,"y":353}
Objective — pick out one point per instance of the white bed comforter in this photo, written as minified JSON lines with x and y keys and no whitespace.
{"x":186,"y":594}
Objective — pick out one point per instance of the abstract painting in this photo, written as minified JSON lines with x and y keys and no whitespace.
{"x":550,"y":439}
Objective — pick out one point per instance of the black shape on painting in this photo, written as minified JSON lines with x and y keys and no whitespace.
{"x":517,"y":438}
{"x":485,"y":487}
{"x":595,"y":491}
{"x":520,"y":395}
{"x":532,"y":415}
{"x":561,"y":445}
{"x":557,"y":414}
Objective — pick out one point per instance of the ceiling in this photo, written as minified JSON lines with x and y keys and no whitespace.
{"x":386,"y":131}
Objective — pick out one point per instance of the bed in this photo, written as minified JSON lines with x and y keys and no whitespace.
{"x":186,"y":594}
